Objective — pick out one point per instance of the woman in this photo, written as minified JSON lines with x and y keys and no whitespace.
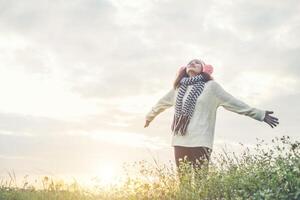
{"x":196,"y":97}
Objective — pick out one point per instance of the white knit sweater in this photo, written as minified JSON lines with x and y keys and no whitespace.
{"x":200,"y":131}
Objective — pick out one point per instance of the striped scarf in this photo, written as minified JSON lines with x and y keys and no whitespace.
{"x":184,"y":112}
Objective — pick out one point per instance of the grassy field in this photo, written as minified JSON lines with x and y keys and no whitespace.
{"x":271,"y":171}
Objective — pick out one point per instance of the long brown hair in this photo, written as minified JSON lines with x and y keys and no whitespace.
{"x":182,"y":73}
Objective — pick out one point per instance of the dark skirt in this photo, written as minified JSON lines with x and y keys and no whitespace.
{"x":192,"y":154}
{"x":199,"y":158}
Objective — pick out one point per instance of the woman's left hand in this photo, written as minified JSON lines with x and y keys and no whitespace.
{"x":272,"y":121}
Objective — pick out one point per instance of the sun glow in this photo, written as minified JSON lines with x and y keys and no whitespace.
{"x":108,"y":174}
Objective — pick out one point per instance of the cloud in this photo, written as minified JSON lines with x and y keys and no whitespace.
{"x":261,"y":86}
{"x":16,"y":124}
{"x":129,"y":139}
{"x":94,"y":55}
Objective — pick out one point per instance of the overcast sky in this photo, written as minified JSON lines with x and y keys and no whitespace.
{"x":78,"y":77}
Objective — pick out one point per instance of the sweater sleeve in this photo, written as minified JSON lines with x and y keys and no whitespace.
{"x":162,"y":104}
{"x":233,"y":104}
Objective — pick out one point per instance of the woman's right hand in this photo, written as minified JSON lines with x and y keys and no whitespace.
{"x":147,"y":123}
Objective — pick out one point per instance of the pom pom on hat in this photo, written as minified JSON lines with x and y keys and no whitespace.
{"x":208,"y":69}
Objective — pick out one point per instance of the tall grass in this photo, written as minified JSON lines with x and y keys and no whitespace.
{"x":271,"y":171}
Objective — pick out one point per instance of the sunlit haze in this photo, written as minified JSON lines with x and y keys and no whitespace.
{"x":77,"y":78}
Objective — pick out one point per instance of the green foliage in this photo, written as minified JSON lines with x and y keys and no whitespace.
{"x":270,"y":172}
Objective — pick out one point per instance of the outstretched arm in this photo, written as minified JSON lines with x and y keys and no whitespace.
{"x":163,"y":103}
{"x":231,"y":103}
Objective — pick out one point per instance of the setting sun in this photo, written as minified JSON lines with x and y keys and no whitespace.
{"x":108,"y":174}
